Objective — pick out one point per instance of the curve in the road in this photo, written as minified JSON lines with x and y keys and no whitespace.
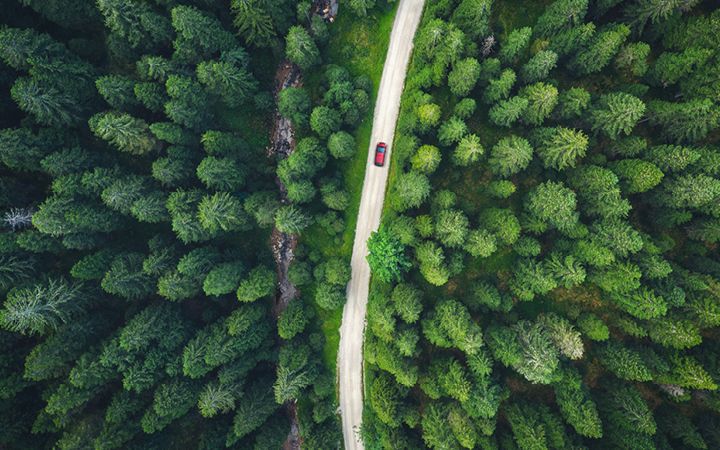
{"x":387,"y":108}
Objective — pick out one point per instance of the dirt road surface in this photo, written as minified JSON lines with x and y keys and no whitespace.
{"x":387,"y":107}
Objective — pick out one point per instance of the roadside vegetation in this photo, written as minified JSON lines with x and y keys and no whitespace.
{"x":359,"y":44}
{"x":546,"y":273}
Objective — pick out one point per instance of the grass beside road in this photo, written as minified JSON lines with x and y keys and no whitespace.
{"x":360,"y":45}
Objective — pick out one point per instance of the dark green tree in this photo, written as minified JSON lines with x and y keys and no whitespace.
{"x":617,"y":113}
{"x":300,"y":48}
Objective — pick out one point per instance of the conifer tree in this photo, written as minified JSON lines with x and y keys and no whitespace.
{"x":510,"y":155}
{"x":617,"y":113}
{"x":600,"y":50}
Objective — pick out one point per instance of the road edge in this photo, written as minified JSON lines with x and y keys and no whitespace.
{"x":351,"y":431}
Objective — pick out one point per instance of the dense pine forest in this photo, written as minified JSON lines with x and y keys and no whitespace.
{"x":143,"y":206}
{"x":179,"y":186}
{"x":547,"y":272}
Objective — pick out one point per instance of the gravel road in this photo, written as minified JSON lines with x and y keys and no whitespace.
{"x":387,"y":107}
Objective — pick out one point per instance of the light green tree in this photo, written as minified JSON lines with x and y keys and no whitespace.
{"x":510,"y":155}
{"x":468,"y":151}
{"x":560,"y":147}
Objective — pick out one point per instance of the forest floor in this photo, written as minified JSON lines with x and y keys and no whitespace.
{"x":359,"y":45}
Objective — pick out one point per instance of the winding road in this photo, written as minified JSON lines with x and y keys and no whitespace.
{"x":387,"y":107}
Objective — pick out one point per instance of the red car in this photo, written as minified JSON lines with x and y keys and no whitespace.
{"x":380,"y":151}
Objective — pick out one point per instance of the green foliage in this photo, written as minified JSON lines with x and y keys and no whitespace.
{"x":426,"y":159}
{"x":614,"y":223}
{"x":126,"y":278}
{"x":333,"y":197}
{"x":617,"y":113}
{"x":386,"y":256}
{"x":593,"y":327}
{"x":567,"y":42}
{"x":341,"y":145}
{"x":410,"y":190}
{"x":259,"y":283}
{"x":499,"y":88}
{"x":42,"y":307}
{"x":468,"y":151}
{"x":324,"y":121}
{"x":117,"y":91}
{"x":300,"y":48}
{"x":361,"y":7}
{"x":671,"y":67}
{"x":221,"y":173}
{"x":542,"y":99}
{"x":294,"y":104}
{"x":254,"y":20}
{"x":224,"y":278}
{"x":432,"y":263}
{"x":407,"y":301}
{"x":289,"y":384}
{"x":600,"y":50}
{"x":465,"y":108}
{"x":116,"y":362}
{"x":480,"y":243}
{"x":516,"y":43}
{"x":554,"y":204}
{"x":559,"y":148}
{"x":290,"y":219}
{"x":228,"y":78}
{"x":628,"y":410}
{"x":223,"y":212}
{"x":329,"y":296}
{"x":452,"y":326}
{"x":189,"y":103}
{"x":464,"y":76}
{"x":539,"y":66}
{"x":473,"y":16}
{"x":531,"y":278}
{"x":502,"y":223}
{"x":501,"y":188}
{"x":510,"y":155}
{"x":560,"y":15}
{"x":428,"y":115}
{"x":151,"y":95}
{"x":136,"y":159}
{"x":688,"y":121}
{"x":625,"y":363}
{"x":138,"y":24}
{"x":451,"y":227}
{"x":126,"y":133}
{"x":507,"y":112}
{"x":199,"y":34}
{"x":577,"y":406}
{"x":539,"y":356}
{"x":293,"y":320}
{"x":572,"y":103}
{"x":638,"y":175}
{"x":632,"y":59}
{"x":674,"y":333}
{"x":452,"y":131}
